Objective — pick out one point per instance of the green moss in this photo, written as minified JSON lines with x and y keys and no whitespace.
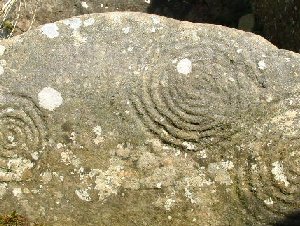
{"x":15,"y":219}
{"x":7,"y":25}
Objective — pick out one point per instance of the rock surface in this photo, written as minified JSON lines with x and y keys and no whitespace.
{"x":37,"y":12}
{"x":136,"y":119}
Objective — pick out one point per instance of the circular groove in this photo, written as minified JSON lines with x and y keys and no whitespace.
{"x":196,"y":108}
{"x":23,"y":131}
{"x":268,"y":187}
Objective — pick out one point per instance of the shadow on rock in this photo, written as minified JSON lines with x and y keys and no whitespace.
{"x":204,"y":11}
{"x":290,"y":220}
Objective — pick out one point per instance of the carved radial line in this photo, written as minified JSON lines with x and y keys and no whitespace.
{"x":22,"y":129}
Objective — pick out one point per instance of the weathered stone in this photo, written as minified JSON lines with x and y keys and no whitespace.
{"x":37,"y":12}
{"x":136,"y":119}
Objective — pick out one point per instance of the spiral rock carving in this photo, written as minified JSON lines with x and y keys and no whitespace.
{"x":22,"y":132}
{"x":268,"y":181}
{"x":193,"y":110}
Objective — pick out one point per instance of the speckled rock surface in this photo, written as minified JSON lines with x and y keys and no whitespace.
{"x":136,"y":119}
{"x":37,"y":12}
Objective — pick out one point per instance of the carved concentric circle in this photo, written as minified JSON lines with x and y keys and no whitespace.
{"x":196,"y":99}
{"x":22,"y":133}
{"x":268,"y":180}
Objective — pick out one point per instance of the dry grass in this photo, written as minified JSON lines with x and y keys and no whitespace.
{"x":10,"y":13}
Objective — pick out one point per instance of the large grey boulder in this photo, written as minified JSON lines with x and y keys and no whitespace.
{"x":136,"y":119}
{"x":33,"y":13}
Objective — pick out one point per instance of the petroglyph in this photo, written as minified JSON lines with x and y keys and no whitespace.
{"x":180,"y":123}
{"x":23,"y":133}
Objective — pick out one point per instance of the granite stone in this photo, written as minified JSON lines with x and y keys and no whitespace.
{"x":136,"y":119}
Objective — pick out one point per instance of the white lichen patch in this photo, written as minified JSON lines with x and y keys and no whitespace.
{"x":73,"y":137}
{"x":17,"y":192}
{"x":1,"y":70}
{"x":202,"y":154}
{"x":50,"y":30}
{"x":184,"y":66}
{"x":290,"y":114}
{"x":262,"y":65}
{"x":84,"y":5}
{"x":239,"y":50}
{"x":189,"y":195}
{"x":15,"y":169}
{"x":159,"y":184}
{"x":69,"y":158}
{"x":147,"y":161}
{"x":286,"y":122}
{"x":169,"y":203}
{"x":98,"y":132}
{"x":88,"y":22}
{"x":78,"y":38}
{"x":83,"y":194}
{"x":11,"y":139}
{"x":269,"y":98}
{"x":73,"y":23}
{"x":148,"y":1}
{"x":153,"y":29}
{"x":35,"y":155}
{"x":130,"y":49}
{"x":2,"y":50}
{"x":126,"y":30}
{"x":220,"y":171}
{"x":177,"y":152}
{"x":278,"y":173}
{"x":198,"y":181}
{"x":46,"y":177}
{"x":3,"y":189}
{"x":49,"y":98}
{"x":108,"y":182}
{"x":155,"y":19}
{"x":269,"y":201}
{"x":3,"y":62}
{"x":188,"y":145}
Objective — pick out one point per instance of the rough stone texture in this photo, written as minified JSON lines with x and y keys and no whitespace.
{"x":33,"y":13}
{"x":136,"y":119}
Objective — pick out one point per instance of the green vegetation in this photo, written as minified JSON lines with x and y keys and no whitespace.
{"x":15,"y":219}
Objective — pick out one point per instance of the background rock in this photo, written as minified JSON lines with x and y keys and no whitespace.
{"x":279,"y":22}
{"x":130,"y":118}
{"x":37,"y":12}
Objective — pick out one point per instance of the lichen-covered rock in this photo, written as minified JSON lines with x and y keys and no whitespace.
{"x":136,"y":119}
{"x":37,"y":12}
